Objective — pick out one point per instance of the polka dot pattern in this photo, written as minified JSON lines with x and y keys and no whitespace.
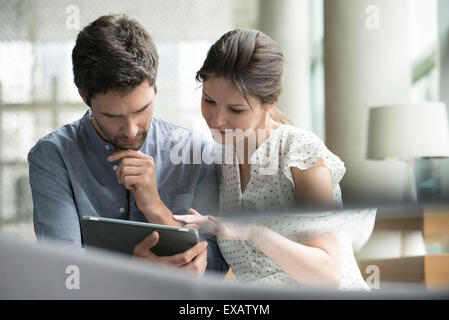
{"x":271,"y":187}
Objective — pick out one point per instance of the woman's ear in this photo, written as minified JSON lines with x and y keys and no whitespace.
{"x":271,"y":105}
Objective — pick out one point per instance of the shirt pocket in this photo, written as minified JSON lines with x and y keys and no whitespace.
{"x":178,"y":203}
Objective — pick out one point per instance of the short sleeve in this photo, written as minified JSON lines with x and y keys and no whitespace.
{"x":303,"y":149}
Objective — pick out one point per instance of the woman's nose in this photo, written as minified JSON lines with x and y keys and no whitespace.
{"x":218,"y":119}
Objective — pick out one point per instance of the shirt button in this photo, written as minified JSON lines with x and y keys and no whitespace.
{"x":115,"y":167}
{"x":122,"y":210}
{"x":107,"y":147}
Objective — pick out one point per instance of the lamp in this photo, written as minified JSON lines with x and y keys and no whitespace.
{"x":406,"y":132}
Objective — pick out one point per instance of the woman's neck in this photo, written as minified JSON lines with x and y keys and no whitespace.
{"x":255,"y":140}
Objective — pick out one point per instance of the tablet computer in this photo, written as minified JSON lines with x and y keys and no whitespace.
{"x":122,"y":235}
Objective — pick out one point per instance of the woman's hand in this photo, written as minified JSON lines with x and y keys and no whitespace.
{"x":221,"y":228}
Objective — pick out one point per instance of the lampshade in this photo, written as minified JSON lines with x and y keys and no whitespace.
{"x":406,"y":131}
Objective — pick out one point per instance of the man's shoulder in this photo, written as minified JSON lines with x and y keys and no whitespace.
{"x":174,"y":133}
{"x":168,"y":126}
{"x":183,"y":147}
{"x":66,"y":136}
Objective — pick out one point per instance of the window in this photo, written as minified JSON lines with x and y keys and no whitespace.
{"x":37,"y":90}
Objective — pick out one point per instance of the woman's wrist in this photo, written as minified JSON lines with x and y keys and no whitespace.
{"x":255,"y":233}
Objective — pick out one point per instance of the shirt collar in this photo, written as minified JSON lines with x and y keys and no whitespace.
{"x":95,"y":141}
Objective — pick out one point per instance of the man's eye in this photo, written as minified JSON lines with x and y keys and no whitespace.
{"x":141,"y":110}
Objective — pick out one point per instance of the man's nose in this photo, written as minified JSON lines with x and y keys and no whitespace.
{"x":130,"y":129}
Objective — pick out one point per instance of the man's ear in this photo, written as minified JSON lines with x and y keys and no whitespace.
{"x":83,"y":96}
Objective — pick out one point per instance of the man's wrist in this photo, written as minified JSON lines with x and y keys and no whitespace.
{"x":154,"y":211}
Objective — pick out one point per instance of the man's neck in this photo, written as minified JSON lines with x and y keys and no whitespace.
{"x":98,"y":130}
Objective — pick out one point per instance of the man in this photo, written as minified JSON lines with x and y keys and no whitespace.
{"x":115,"y":161}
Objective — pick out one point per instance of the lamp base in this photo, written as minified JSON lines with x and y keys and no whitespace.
{"x":410,"y":194}
{"x":413,"y":243}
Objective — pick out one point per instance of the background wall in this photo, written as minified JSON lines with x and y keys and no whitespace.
{"x":37,"y":94}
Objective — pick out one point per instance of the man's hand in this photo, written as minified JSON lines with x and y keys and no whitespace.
{"x":194,"y":259}
{"x":138,"y":174}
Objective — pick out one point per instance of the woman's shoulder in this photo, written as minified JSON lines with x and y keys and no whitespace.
{"x":302,"y":148}
{"x":289,"y":137}
{"x":289,"y":141}
{"x":301,"y":143}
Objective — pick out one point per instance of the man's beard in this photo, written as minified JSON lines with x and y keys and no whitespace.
{"x":115,"y":141}
{"x":135,"y":146}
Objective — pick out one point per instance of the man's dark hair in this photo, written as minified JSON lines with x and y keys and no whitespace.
{"x":113,"y":53}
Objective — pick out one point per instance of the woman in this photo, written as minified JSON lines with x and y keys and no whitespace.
{"x":274,"y":165}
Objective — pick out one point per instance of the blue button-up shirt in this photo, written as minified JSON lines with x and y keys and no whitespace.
{"x":70,"y":177}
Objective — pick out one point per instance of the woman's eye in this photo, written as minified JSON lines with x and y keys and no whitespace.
{"x":209,"y":101}
{"x":235,"y":110}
